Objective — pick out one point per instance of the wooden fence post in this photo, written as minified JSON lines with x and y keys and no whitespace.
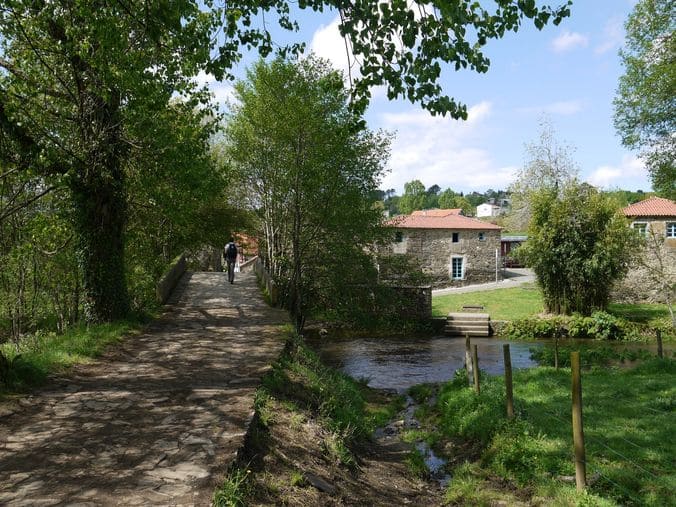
{"x":508,"y":381}
{"x":468,"y":360}
{"x":556,"y":348}
{"x":660,"y":352}
{"x":475,"y":357}
{"x":578,"y":433}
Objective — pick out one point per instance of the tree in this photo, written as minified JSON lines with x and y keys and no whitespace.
{"x":432,"y":197}
{"x":549,"y":166}
{"x":645,"y":105}
{"x":414,"y":197}
{"x":578,"y":245}
{"x":447,"y":199}
{"x":311,"y":170}
{"x":75,"y":75}
{"x":78,"y":79}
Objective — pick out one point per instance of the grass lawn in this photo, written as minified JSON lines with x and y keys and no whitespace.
{"x":628,"y":425}
{"x":521,"y":302}
{"x":501,"y":304}
{"x":45,"y":353}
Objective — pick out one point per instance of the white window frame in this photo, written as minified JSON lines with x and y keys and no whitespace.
{"x":670,"y":229}
{"x":640,"y":227}
{"x":462,"y":267}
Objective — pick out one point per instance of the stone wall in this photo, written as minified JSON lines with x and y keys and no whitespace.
{"x":433,"y":249}
{"x":169,"y":280}
{"x":412,"y":302}
{"x":638,"y":285}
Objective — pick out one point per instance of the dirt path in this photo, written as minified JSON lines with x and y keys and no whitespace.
{"x":158,"y":419}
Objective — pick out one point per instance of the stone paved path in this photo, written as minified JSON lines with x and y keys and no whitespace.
{"x":159,"y":418}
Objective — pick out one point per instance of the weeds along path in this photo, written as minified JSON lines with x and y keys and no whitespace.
{"x":156,"y":420}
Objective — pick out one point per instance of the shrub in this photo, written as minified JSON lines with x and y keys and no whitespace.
{"x":600,"y":325}
{"x":531,"y":328}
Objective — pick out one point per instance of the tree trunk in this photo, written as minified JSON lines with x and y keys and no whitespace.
{"x":101,"y":214}
{"x":101,"y":210}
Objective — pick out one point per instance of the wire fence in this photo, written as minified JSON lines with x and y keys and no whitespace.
{"x":620,"y":467}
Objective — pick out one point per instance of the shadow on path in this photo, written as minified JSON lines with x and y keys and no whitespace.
{"x":157,"y":419}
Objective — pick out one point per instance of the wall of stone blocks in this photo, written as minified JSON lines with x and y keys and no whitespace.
{"x":433,"y":249}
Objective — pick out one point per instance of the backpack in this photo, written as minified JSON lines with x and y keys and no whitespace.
{"x":231,"y":251}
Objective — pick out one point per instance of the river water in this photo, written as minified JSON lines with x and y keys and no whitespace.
{"x":399,"y":363}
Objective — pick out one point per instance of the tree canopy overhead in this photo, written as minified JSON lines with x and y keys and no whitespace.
{"x":398,"y":43}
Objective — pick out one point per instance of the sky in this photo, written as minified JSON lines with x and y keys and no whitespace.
{"x":566,"y":74}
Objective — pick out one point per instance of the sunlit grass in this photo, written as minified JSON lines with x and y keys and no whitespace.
{"x":43,"y":354}
{"x":500,"y":304}
{"x":526,"y":301}
{"x":628,"y":427}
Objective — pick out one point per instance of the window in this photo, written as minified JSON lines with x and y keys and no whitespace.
{"x":671,"y":229}
{"x":482,"y":236}
{"x":456,"y":237}
{"x":456,"y":268}
{"x":398,"y":237}
{"x":640,"y":227}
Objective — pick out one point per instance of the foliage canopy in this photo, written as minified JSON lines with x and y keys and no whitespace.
{"x":645,"y":105}
{"x":578,"y":245}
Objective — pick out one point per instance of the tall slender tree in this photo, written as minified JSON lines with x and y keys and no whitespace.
{"x":311,"y":170}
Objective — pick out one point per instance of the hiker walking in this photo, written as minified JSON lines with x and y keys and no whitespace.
{"x":230,"y":254}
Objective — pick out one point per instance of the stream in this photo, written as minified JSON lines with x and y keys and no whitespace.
{"x":397,"y":364}
{"x":400,"y":363}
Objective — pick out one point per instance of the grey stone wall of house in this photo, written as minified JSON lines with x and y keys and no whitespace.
{"x":640,"y":285}
{"x":434,"y":249}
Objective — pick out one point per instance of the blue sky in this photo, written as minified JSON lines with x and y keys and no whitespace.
{"x":568,"y":73}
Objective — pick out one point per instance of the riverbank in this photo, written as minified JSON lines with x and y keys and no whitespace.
{"x":312,"y":443}
{"x":630,"y":437}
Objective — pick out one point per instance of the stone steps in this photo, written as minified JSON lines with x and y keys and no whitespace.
{"x":472,"y":324}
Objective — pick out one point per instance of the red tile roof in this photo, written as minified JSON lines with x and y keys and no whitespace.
{"x":436,"y":212}
{"x":449,"y":221}
{"x":652,"y":207}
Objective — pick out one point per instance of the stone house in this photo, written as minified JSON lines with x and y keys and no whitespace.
{"x":656,"y":215}
{"x":451,"y":248}
{"x":652,"y":218}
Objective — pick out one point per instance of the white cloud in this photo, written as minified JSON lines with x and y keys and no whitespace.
{"x":568,"y":41}
{"x":443,"y":151}
{"x":613,"y":35}
{"x":222,"y":92}
{"x":329,"y":44}
{"x":630,"y":173}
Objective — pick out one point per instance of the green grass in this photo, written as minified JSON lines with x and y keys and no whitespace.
{"x":628,"y":426}
{"x":234,"y":489}
{"x":45,"y":353}
{"x":501,"y":304}
{"x":649,"y":314}
{"x":521,"y":302}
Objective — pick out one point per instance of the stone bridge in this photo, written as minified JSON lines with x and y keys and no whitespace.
{"x":159,"y":418}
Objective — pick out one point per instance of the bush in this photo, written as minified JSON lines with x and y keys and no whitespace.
{"x":599,"y":326}
{"x":532,"y":328}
